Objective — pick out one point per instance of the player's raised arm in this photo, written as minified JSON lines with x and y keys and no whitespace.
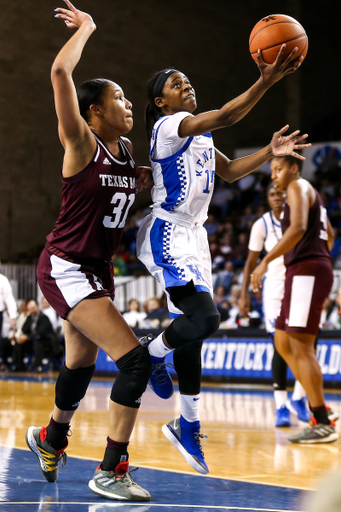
{"x":281,"y":144}
{"x":72,"y":127}
{"x":250,"y":265}
{"x":236,"y":109}
{"x":299,"y":203}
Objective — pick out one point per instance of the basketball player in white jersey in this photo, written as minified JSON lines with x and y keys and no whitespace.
{"x":265,"y":234}
{"x":172,"y":241}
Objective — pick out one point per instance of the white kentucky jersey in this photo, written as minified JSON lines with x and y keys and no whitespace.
{"x":183,"y":169}
{"x":265,"y":234}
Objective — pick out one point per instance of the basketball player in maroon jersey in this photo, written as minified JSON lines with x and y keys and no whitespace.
{"x":307,"y":240}
{"x":75,"y":271}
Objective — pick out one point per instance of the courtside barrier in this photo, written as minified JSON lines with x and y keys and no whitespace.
{"x":245,"y":355}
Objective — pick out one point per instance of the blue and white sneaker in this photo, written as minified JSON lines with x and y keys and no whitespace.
{"x":159,"y":381}
{"x":186,"y":438}
{"x":283,"y":417}
{"x":299,"y":407}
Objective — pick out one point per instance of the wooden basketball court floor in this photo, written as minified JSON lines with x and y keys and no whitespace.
{"x":252,"y":465}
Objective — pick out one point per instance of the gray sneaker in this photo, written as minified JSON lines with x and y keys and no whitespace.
{"x":118,"y":484}
{"x":48,"y":457}
{"x":316,"y":433}
{"x":332,"y":415}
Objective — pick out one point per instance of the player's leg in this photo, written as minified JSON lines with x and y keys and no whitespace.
{"x":279,"y":376}
{"x":271,"y":306}
{"x":186,"y":278}
{"x":96,"y":323}
{"x":200,"y":319}
{"x":299,"y":351}
{"x":184,"y":432}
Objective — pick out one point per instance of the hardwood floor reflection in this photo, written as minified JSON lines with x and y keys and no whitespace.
{"x":242,"y":443}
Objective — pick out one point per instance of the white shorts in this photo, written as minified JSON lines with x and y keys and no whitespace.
{"x":272,"y":295}
{"x":175,"y":254}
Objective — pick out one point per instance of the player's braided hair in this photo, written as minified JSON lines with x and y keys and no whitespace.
{"x":91,"y":93}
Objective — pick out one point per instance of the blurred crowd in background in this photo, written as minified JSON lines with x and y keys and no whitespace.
{"x":32,"y":337}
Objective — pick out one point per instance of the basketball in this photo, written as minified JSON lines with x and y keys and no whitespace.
{"x":271,"y":32}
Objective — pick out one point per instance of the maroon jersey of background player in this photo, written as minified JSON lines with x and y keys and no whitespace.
{"x":95,"y":206}
{"x":314,"y":242}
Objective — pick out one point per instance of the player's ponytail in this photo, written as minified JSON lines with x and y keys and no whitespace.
{"x":91,"y":93}
{"x":152,"y":112}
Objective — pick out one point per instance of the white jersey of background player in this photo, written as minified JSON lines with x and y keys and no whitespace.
{"x":265,"y":234}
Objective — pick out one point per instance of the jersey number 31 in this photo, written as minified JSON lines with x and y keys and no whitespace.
{"x":121,"y":210}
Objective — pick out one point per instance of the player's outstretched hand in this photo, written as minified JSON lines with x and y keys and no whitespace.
{"x":282,"y":145}
{"x":271,"y":73}
{"x":72,"y":17}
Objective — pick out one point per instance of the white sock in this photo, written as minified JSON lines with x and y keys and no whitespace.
{"x":190,"y":405}
{"x":281,"y":398}
{"x":299,"y":391}
{"x":157,"y":348}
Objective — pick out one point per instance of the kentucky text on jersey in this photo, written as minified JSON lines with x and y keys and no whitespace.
{"x":206,"y":157}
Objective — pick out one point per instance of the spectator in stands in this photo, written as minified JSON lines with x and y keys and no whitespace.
{"x":217,"y":256}
{"x":219,"y":295}
{"x":120,"y":267}
{"x":21,"y":349}
{"x":225,"y":245}
{"x":330,"y":316}
{"x":157,"y":316}
{"x":235,"y":294}
{"x":7,"y":301}
{"x":56,"y":321}
{"x":240,"y":250}
{"x":225,"y":277}
{"x":211,"y":225}
{"x":39,"y":333}
{"x":231,"y":321}
{"x":6,"y":348}
{"x":134,"y":316}
{"x":222,"y":196}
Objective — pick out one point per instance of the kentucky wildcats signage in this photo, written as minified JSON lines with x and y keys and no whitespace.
{"x":247,"y":358}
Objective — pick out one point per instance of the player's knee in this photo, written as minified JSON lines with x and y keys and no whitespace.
{"x":209,"y":323}
{"x":132,"y":379}
{"x":71,"y":387}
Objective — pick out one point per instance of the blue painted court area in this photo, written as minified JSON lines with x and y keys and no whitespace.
{"x":23,"y":488}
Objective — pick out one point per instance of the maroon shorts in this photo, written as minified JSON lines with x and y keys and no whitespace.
{"x":65,"y":283}
{"x":307,"y":285}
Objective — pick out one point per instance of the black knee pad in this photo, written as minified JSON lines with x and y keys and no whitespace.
{"x":200,"y":318}
{"x":71,"y":387}
{"x":132,"y":379}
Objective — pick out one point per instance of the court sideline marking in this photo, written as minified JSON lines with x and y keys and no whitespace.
{"x":232,"y":479}
{"x":148,"y":504}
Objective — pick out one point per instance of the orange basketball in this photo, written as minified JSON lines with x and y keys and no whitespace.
{"x":271,"y":32}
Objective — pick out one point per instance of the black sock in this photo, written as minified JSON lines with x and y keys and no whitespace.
{"x":320,"y":414}
{"x":56,"y":434}
{"x":114,"y":454}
